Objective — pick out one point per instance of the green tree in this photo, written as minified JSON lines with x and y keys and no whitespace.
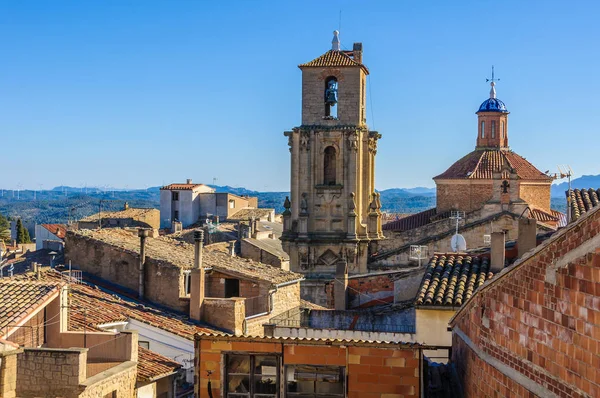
{"x":4,"y":229}
{"x":22,"y":233}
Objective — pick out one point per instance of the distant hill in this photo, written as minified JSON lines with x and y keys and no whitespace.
{"x":590,"y":181}
{"x":61,"y":204}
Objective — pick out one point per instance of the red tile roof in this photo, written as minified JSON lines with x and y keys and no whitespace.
{"x":582,"y":201}
{"x":450,"y":279}
{"x":483,"y":163}
{"x":153,"y":366}
{"x":415,"y":220}
{"x":181,"y":187}
{"x":334,"y":58}
{"x":60,"y":230}
{"x":553,"y":218}
{"x":18,"y":299}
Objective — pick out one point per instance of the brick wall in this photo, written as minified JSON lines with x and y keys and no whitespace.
{"x":257,"y":254}
{"x":536,"y":328}
{"x":373,"y":371}
{"x":465,"y":196}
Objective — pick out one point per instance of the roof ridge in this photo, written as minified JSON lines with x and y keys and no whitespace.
{"x":472,"y":173}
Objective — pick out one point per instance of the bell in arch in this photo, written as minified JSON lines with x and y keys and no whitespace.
{"x":331,"y":92}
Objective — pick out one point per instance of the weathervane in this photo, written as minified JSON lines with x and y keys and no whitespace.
{"x":493,"y":81}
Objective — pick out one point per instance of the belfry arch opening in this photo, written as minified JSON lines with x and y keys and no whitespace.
{"x":329,"y":166}
{"x":331,"y":97}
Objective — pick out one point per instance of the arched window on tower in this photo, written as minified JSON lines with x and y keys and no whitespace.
{"x":331,"y":97}
{"x":502,"y":130}
{"x":482,"y":129}
{"x":493,"y":129}
{"x":329,"y":166}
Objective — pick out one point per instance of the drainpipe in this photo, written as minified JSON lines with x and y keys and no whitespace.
{"x":143,"y":234}
{"x":197,"y":278}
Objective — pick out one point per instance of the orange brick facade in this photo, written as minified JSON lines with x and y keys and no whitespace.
{"x":535,"y":331}
{"x":382,"y":370}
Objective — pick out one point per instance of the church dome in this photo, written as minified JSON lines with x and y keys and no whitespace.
{"x":492,"y":105}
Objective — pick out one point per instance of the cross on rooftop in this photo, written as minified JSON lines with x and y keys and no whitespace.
{"x":493,"y":79}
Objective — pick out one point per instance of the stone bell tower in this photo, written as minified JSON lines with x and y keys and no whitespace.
{"x":334,"y":211}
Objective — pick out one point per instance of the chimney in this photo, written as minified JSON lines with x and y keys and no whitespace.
{"x":126,"y":206}
{"x":143,"y":234}
{"x":357,"y":52}
{"x":340,"y":285}
{"x":498,"y":251}
{"x":197,"y":278}
{"x":527,"y":239}
{"x":188,"y":181}
{"x":232,"y":248}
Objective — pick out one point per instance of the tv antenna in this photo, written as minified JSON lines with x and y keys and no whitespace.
{"x":565,"y":171}
{"x":458,"y":242}
{"x":418,"y":253}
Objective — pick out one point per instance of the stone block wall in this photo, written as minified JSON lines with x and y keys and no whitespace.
{"x":8,"y":372}
{"x":375,"y":371}
{"x":119,"y":380}
{"x":257,"y":254}
{"x":225,"y":313}
{"x":537,"y":195}
{"x":163,"y":282}
{"x":534,"y":329}
{"x":45,"y":372}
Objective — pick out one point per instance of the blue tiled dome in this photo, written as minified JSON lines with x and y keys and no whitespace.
{"x":492,"y":105}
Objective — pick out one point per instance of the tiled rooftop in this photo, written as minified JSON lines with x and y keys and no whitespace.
{"x":553,"y":218}
{"x":415,"y":220}
{"x":181,"y":254}
{"x":450,"y":279}
{"x":60,"y":230}
{"x":483,"y":163}
{"x":152,"y":366}
{"x":132,"y":212}
{"x":92,"y":306}
{"x":182,"y":187}
{"x":248,"y":213}
{"x":582,"y":201}
{"x":334,"y":58}
{"x":19,"y":299}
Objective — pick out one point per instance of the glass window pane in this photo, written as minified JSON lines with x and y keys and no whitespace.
{"x":238,"y":364}
{"x":238,"y":383}
{"x":265,"y":365}
{"x":329,"y":388}
{"x":265,"y":385}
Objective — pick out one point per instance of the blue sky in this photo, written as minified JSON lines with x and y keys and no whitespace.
{"x":143,"y":93}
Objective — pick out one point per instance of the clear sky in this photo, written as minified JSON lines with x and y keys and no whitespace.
{"x":143,"y":93}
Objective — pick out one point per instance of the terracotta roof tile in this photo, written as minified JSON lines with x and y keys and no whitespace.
{"x":132,"y":212}
{"x":415,"y":220}
{"x":483,"y":163}
{"x":60,"y":230}
{"x":182,"y":187}
{"x":248,"y":213}
{"x":334,"y":58}
{"x":450,"y":279}
{"x":181,"y":254}
{"x":91,"y":306}
{"x":19,"y":299}
{"x":553,"y":218}
{"x":153,"y":366}
{"x":582,"y":201}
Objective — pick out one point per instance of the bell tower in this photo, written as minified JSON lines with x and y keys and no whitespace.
{"x":333,"y":212}
{"x":492,"y":119}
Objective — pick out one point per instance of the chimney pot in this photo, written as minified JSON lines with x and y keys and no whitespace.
{"x":189,"y":181}
{"x":527,"y":238}
{"x":357,"y":50}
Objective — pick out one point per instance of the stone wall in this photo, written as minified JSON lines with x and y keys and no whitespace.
{"x":372,"y":371}
{"x":537,"y":195}
{"x":284,"y":299}
{"x":55,"y":372}
{"x":163,"y":282}
{"x":119,"y":380}
{"x":8,"y":372}
{"x":215,"y":286}
{"x":225,"y":313}
{"x":533,"y":329}
{"x":257,"y":254}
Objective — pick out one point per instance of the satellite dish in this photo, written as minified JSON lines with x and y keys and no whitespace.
{"x":458,"y":243}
